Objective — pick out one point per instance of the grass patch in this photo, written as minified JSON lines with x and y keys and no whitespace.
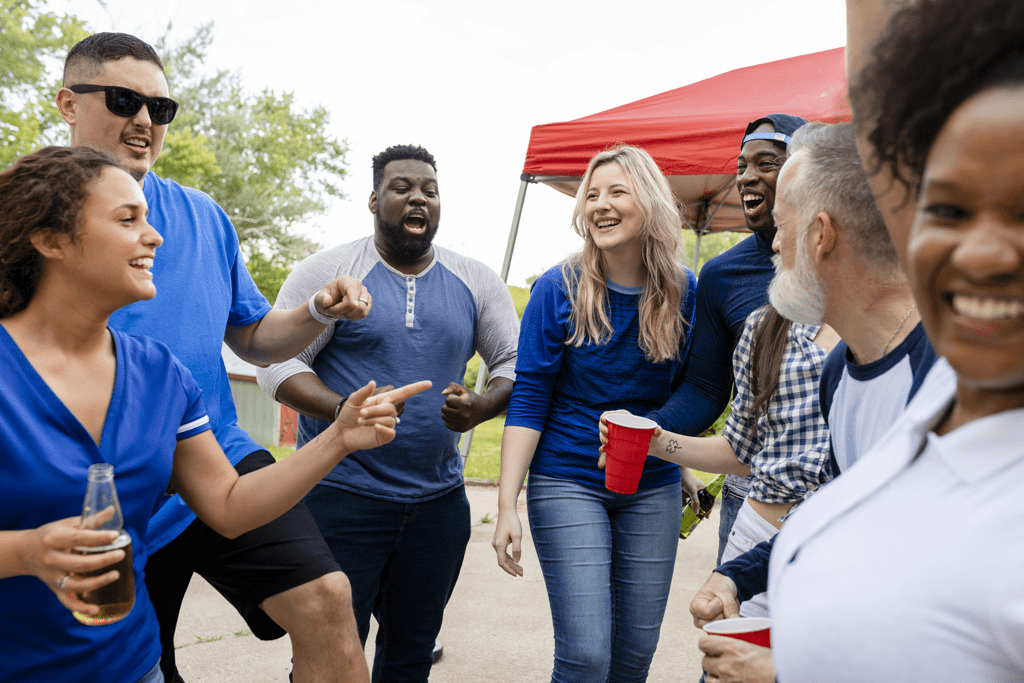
{"x":484,"y":461}
{"x":279,"y":451}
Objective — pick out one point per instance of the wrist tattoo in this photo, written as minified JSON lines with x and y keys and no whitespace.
{"x":672,"y":446}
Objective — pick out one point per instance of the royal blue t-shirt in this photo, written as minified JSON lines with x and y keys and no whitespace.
{"x":562,"y":390}
{"x":45,"y":454}
{"x":202,"y":286}
{"x":423,"y":326}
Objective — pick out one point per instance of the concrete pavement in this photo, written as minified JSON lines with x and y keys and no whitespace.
{"x":497,"y":628}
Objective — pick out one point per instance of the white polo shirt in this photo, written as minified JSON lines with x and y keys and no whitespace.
{"x":907,"y":569}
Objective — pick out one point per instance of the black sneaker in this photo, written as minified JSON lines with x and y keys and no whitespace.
{"x":438,"y":651}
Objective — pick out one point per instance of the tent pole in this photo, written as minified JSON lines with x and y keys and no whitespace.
{"x":696,"y":251}
{"x":525,"y":180}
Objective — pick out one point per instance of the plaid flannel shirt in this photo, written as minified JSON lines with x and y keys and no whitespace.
{"x":792,"y":460}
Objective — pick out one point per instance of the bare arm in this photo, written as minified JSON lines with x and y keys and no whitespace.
{"x":307,"y":394}
{"x":232,"y":505}
{"x":281,"y":334}
{"x":517,"y":448}
{"x":706,"y":454}
{"x":703,"y":453}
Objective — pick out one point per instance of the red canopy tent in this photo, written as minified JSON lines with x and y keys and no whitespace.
{"x":692,"y":132}
{"x":694,"y":135}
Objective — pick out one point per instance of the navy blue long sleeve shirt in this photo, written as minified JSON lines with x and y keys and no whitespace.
{"x":729,"y":288}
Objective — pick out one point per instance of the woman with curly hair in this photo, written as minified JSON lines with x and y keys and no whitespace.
{"x":607,"y":329}
{"x":75,"y":246}
{"x":911,"y":563}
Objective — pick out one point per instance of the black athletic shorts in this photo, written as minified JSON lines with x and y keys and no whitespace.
{"x":247,"y":570}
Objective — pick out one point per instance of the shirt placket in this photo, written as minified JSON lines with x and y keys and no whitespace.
{"x":410,"y":301}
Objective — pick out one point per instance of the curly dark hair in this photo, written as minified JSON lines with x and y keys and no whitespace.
{"x":41,"y":193}
{"x":935,"y":55}
{"x":397,"y":153}
{"x":108,"y":47}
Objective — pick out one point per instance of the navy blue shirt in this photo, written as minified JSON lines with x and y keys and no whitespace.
{"x":730,"y":287}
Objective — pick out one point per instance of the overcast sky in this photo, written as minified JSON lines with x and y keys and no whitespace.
{"x":468,"y":79}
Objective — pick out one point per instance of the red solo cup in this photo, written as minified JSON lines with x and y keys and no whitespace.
{"x":756,"y":630}
{"x":629,"y":437}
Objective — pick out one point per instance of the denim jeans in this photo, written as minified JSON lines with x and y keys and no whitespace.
{"x":607,"y":560}
{"x":155,"y":675}
{"x":730,"y":507}
{"x":403,"y":561}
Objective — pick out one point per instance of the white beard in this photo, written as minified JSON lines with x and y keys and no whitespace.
{"x":797,"y":293}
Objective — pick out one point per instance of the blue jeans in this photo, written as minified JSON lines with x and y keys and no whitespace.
{"x":730,"y":507}
{"x":155,"y":675}
{"x":403,"y":561}
{"x":607,"y":560}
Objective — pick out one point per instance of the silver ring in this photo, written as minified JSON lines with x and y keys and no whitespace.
{"x":363,"y":301}
{"x":62,"y":582}
{"x":397,"y":420}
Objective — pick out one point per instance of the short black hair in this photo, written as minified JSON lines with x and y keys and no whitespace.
{"x":934,"y":56}
{"x":108,"y":47}
{"x":397,"y":153}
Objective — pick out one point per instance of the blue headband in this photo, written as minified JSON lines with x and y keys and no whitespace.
{"x":775,"y":137}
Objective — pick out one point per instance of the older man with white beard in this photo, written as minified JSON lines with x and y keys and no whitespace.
{"x":835,"y":264}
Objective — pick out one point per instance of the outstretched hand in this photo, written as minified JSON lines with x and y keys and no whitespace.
{"x":47,"y":553}
{"x":368,"y":420}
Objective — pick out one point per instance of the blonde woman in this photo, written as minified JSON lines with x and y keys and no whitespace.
{"x":607,"y":329}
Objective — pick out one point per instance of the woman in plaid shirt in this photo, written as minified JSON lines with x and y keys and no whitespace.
{"x":775,"y":431}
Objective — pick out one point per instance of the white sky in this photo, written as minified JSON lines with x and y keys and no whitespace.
{"x":467,"y":79}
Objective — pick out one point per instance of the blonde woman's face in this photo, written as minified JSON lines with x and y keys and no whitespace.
{"x":613,"y":216}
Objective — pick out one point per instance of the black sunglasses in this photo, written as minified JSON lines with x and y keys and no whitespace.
{"x":126,"y":102}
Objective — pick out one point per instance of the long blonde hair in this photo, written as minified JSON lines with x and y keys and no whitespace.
{"x":661,"y":322}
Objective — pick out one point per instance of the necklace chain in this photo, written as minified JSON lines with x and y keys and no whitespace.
{"x":899,"y":327}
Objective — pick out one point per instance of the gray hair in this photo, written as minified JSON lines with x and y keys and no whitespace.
{"x":831,"y":179}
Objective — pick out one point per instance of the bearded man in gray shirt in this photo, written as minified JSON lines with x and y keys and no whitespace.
{"x":396,"y":518}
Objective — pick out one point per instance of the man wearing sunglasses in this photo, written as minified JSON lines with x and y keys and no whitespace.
{"x":281,"y":577}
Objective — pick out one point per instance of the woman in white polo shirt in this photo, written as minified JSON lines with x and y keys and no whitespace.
{"x":911,"y":566}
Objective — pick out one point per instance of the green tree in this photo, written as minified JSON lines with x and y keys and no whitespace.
{"x":32,"y":48}
{"x":268,"y":163}
{"x":711,"y":245}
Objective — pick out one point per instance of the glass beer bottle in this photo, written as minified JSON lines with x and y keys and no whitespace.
{"x":706,"y":498}
{"x":116,"y":599}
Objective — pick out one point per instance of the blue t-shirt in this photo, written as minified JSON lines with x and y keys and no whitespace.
{"x":423,"y":326}
{"x":562,"y":390}
{"x":45,"y":454}
{"x":202,"y":286}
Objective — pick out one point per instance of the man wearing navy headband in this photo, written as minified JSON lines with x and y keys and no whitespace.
{"x":730,"y":287}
